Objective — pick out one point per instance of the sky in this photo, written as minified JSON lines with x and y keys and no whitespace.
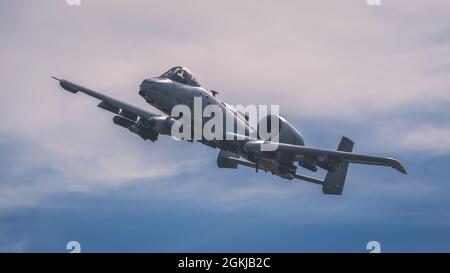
{"x":379,"y":75}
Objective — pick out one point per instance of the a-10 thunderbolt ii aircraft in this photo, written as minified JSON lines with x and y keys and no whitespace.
{"x":178,"y":86}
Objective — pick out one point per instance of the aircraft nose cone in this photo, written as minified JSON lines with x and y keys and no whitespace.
{"x":152,"y":87}
{"x":149,"y":85}
{"x":144,"y":92}
{"x":145,"y":88}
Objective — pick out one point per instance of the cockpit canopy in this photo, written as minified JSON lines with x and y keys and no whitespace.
{"x":181,"y":75}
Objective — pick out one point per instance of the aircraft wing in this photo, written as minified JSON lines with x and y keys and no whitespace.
{"x":115,"y":106}
{"x":327,"y":159}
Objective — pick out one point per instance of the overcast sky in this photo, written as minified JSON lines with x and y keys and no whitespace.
{"x":379,"y":75}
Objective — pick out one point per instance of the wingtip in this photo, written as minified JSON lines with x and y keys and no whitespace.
{"x":53,"y":77}
{"x":394,"y":163}
{"x":400,"y":167}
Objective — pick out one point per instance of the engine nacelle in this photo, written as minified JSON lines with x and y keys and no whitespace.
{"x":223,"y":160}
{"x":287,"y":133}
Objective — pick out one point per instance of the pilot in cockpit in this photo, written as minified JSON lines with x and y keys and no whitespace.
{"x":181,"y":75}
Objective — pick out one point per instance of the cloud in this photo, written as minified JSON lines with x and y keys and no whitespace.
{"x":8,"y":246}
{"x":294,"y":54}
{"x":427,"y":139}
